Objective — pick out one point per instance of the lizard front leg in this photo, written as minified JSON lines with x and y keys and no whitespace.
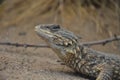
{"x":106,"y":72}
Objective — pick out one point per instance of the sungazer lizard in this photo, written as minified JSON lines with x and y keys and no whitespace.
{"x":78,"y":57}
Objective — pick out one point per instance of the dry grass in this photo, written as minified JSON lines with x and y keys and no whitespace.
{"x":100,"y":12}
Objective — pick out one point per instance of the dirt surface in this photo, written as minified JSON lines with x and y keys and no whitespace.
{"x":17,"y":21}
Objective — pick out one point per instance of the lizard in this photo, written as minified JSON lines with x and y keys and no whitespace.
{"x":78,"y":57}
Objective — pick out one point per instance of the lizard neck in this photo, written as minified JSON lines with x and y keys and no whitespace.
{"x":78,"y":53}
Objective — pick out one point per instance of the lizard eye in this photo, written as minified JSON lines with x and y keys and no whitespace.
{"x":56,"y":27}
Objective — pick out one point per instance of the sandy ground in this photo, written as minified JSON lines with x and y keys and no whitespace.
{"x":24,"y":66}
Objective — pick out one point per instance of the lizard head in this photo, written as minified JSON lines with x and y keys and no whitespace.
{"x":63,"y":42}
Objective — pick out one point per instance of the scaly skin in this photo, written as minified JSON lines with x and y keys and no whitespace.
{"x":78,"y":57}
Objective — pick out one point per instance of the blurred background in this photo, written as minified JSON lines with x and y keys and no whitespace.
{"x":91,"y":19}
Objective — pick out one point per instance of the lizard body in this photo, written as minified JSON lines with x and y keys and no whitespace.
{"x":78,"y":57}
